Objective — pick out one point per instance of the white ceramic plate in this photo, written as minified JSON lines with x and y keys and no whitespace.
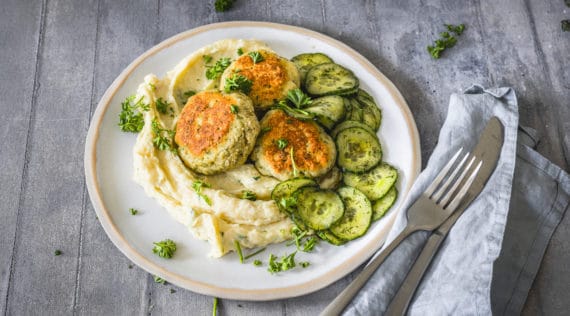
{"x":108,"y":170}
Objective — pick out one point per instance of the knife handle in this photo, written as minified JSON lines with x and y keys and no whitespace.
{"x":339,"y":303}
{"x":400,"y":302}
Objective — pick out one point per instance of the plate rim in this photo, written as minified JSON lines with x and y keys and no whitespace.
{"x":312,"y":285}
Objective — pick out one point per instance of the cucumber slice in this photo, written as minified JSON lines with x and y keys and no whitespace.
{"x":330,"y":237}
{"x":381,"y":206}
{"x":375,"y":183}
{"x":357,"y":215}
{"x":348,"y":124}
{"x":357,"y":112}
{"x":319,"y":209}
{"x":286,"y":189}
{"x":349,"y":92}
{"x":306,"y":61}
{"x":328,"y":110}
{"x":358,"y":149}
{"x":366,"y":113}
{"x":329,"y":78}
{"x":367,"y":102}
{"x":331,"y":179}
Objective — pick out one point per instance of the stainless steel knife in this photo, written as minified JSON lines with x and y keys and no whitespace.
{"x":489,"y":149}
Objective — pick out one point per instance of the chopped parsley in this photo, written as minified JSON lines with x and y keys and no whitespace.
{"x":257,"y":262}
{"x":197,"y":186}
{"x":215,"y":307}
{"x":133,"y":211}
{"x":165,"y":248}
{"x":207,"y":59}
{"x":240,"y":51}
{"x":305,"y":264}
{"x":248,"y":195}
{"x":238,"y":82}
{"x":57,"y":252}
{"x":254,"y":253}
{"x":299,"y":98}
{"x":214,"y":72}
{"x":287,"y":262}
{"x":238,"y":250}
{"x":565,"y":24}
{"x":163,"y":138}
{"x":446,"y":41}
{"x":162,"y":105}
{"x":223,"y":5}
{"x":256,"y":178}
{"x":152,"y":86}
{"x":298,"y":235}
{"x":256,"y":57}
{"x":281,"y":143}
{"x":131,"y":118}
{"x":158,"y":279}
{"x":266,"y":129}
{"x":310,"y":244}
{"x":234,"y":108}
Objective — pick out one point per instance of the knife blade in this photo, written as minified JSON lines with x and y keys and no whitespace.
{"x":489,"y":149}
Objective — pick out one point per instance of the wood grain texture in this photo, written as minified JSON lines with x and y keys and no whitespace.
{"x":58,"y":58}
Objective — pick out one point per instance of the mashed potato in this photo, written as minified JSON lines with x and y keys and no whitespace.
{"x":216,"y":213}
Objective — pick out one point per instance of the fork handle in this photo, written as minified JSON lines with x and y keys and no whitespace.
{"x":401,"y":301}
{"x":339,"y":303}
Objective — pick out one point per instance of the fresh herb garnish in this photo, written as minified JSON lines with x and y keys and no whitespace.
{"x":446,"y":41}
{"x":286,"y":263}
{"x":238,"y":250}
{"x":281,"y":143}
{"x":215,"y":304}
{"x":254,"y":253}
{"x":565,"y":24}
{"x":197,"y":186}
{"x":162,"y":105}
{"x":288,"y":202}
{"x":248,"y":195}
{"x":133,"y":211}
{"x":298,"y":98}
{"x":207,"y":58}
{"x":131,"y":117}
{"x":240,"y":51}
{"x":189,"y":93}
{"x":158,"y":279}
{"x":256,"y":178}
{"x":234,"y":108}
{"x":238,"y":82}
{"x":57,"y":252}
{"x":223,"y":5}
{"x":152,"y":86}
{"x":163,"y":138}
{"x":265,"y":129}
{"x":295,"y":171}
{"x":214,"y":72}
{"x":305,"y":264}
{"x":257,"y":263}
{"x":256,"y":57}
{"x":310,"y":244}
{"x":165,"y":248}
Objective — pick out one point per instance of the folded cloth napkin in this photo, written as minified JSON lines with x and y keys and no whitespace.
{"x":490,"y":257}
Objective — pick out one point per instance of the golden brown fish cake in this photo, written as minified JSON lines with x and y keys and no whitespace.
{"x":271,"y":78}
{"x":314,"y":152}
{"x":216,"y":132}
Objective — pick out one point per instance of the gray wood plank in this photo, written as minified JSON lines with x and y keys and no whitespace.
{"x":107,"y":282}
{"x":19,"y":35}
{"x":52,"y":190}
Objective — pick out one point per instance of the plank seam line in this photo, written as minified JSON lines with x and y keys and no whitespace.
{"x":482,"y":35}
{"x":323,"y":13}
{"x":84,"y":196}
{"x":23,"y":186}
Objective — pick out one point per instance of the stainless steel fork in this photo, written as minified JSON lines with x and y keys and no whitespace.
{"x":434,"y":206}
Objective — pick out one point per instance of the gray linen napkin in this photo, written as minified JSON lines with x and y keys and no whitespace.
{"x":467,"y":276}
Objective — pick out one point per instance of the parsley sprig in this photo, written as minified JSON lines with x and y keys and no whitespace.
{"x":131,"y":118}
{"x":294,"y":103}
{"x":158,"y":279}
{"x":446,"y":41}
{"x":197,"y":186}
{"x":165,"y":248}
{"x":215,"y":71}
{"x":238,"y":82}
{"x":163,"y":139}
{"x":299,"y":98}
{"x":286,"y":262}
{"x":223,"y":5}
{"x":162,"y":105}
{"x":248,"y":195}
{"x":256,"y":57}
{"x":309,"y":241}
{"x":281,"y":143}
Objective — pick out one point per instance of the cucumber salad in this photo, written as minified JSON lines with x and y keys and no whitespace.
{"x":339,"y":214}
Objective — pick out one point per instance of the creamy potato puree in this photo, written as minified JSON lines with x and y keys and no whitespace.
{"x":164,"y":176}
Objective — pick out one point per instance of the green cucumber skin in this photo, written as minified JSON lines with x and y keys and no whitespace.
{"x":375,"y":183}
{"x":306,"y":61}
{"x":348,"y":124}
{"x":358,"y":150}
{"x":287,"y":188}
{"x":357,"y":215}
{"x":380,"y":207}
{"x":330,"y":238}
{"x":319,"y":209}
{"x":329,"y":110}
{"x":330,"y":79}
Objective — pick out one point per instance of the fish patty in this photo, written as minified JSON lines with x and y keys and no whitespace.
{"x":284,"y":137}
{"x":272,"y":77}
{"x":215,"y":131}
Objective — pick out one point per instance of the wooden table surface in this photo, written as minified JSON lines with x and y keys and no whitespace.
{"x":58,"y":57}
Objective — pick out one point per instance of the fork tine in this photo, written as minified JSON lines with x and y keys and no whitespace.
{"x":455,"y":202}
{"x":437,"y":180}
{"x":456,"y":184}
{"x":443,"y":188}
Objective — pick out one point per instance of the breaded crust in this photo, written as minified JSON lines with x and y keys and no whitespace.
{"x":272,"y":77}
{"x":314,"y":152}
{"x":212,"y":137}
